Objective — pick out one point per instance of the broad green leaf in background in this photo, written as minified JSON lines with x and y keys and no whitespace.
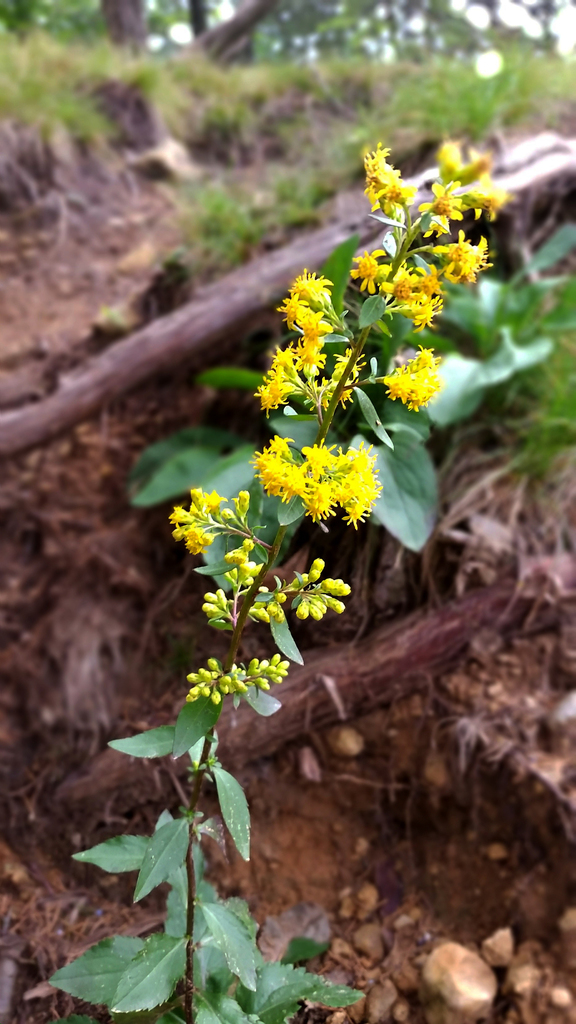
{"x":177,"y":475}
{"x":166,"y":851}
{"x":121,"y":853}
{"x":94,"y":976}
{"x":284,"y":640}
{"x":302,"y":948}
{"x":234,"y":810}
{"x":397,"y":418}
{"x":263,"y":703}
{"x":231,"y":377}
{"x":230,"y":935}
{"x":153,"y":743}
{"x":371,"y":311}
{"x":337,"y":269}
{"x":291,"y":511}
{"x":194,"y":721}
{"x":465,"y":380}
{"x":408,"y":503}
{"x":232,"y":473}
{"x":372,"y":419}
{"x":555,"y":249}
{"x":300,"y":431}
{"x":156,"y":456}
{"x":153,"y":974}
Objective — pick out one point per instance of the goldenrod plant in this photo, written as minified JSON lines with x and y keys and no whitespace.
{"x":206,"y":966}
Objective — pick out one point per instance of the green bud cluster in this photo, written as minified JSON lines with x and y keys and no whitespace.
{"x":216,"y":606}
{"x":214,"y":682}
{"x":312,"y":596}
{"x":268,"y":606}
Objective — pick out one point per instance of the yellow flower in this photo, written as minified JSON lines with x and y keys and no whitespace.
{"x":487,"y":198}
{"x":315,"y":291}
{"x":464,"y":261}
{"x":429,"y":281}
{"x":368,"y":269}
{"x":416,"y":382}
{"x":445,"y":207}
{"x":423,"y":309}
{"x":197,"y":525}
{"x":384,"y":185}
{"x":449,"y":158}
{"x":479,"y":166}
{"x":280,"y":381}
{"x":402,"y":285}
{"x":293,"y":307}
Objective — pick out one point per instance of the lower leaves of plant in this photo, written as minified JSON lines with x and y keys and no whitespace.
{"x":205,"y":966}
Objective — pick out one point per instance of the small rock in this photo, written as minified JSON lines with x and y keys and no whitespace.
{"x":457,"y":986}
{"x":308,"y":765}
{"x":404,"y":921}
{"x":406,"y":978}
{"x":400,"y":1011}
{"x":344,"y":741}
{"x":141,"y":258}
{"x":338,"y":1017}
{"x":436,"y":772}
{"x":560,"y":997}
{"x":522,"y":979}
{"x":498,"y":948}
{"x":565,"y":711}
{"x":567,"y":926}
{"x":379,"y":1002}
{"x":169,"y":160}
{"x":497,"y":851}
{"x":306,"y":920}
{"x":367,"y":939}
{"x":347,"y":907}
{"x":367,"y":899}
{"x":341,"y":949}
{"x":357,"y":1011}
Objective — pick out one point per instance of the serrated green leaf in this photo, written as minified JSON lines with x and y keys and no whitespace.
{"x":371,"y":311}
{"x":234,"y":809}
{"x":285,"y":641}
{"x":165,"y":852}
{"x":292,"y":511}
{"x":94,"y":976}
{"x":75,"y":1018}
{"x":121,"y":853}
{"x":152,"y":976}
{"x":238,"y":377}
{"x":195,"y":720}
{"x":175,"y":923}
{"x":280,"y":987}
{"x":262,"y":703}
{"x":372,"y":419}
{"x":153,"y":743}
{"x":337,"y":269}
{"x":233,"y":939}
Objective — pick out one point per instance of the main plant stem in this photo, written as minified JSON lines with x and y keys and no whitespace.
{"x":229,"y":661}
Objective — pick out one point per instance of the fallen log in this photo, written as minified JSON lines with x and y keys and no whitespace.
{"x":193,"y":331}
{"x":342,"y":680}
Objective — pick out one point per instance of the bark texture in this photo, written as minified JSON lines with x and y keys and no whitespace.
{"x":125,"y":22}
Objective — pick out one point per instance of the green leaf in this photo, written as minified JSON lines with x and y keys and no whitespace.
{"x":94,"y":976}
{"x":337,"y":269}
{"x":301,"y":431}
{"x":408,"y":502}
{"x":335,"y":339}
{"x":214,"y":568}
{"x":218,"y":1008}
{"x":121,"y":853}
{"x":280,"y":988}
{"x":231,"y":377}
{"x":263,"y":703}
{"x":389,"y":244}
{"x":284,"y":641}
{"x":387,"y":220}
{"x":166,"y":851}
{"x":234,"y":810}
{"x":195,"y":720}
{"x":372,"y":419}
{"x":156,"y":455}
{"x":153,"y":974}
{"x":154,"y":743}
{"x":230,"y":936}
{"x":175,"y":923}
{"x":232,"y":473}
{"x":555,"y":249}
{"x":291,"y":511}
{"x":301,"y":948}
{"x":371,"y":311}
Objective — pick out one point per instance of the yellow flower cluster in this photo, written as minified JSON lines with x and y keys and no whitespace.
{"x":214,"y":682}
{"x":199,"y":524}
{"x":462,"y":260}
{"x":456,"y":172}
{"x":416,"y":382}
{"x":384,"y":185}
{"x":323,"y":479}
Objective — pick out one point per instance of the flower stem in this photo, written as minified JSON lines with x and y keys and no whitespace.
{"x":333,"y":404}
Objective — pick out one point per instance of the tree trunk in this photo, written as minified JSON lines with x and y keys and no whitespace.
{"x":125,"y":22}
{"x":198,"y":21}
{"x":223,"y":40}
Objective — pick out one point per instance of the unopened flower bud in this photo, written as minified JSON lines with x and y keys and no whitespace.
{"x":215,"y":697}
{"x":303,"y":610}
{"x":213,"y":664}
{"x":205,"y":691}
{"x":316,"y":570}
